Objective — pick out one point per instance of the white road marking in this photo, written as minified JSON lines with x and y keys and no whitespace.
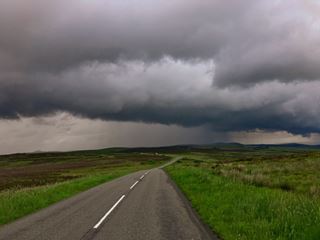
{"x":107,"y":214}
{"x":117,"y":203}
{"x":134,"y":184}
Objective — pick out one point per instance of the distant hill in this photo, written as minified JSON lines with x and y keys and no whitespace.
{"x":220,"y":146}
{"x":286,"y":145}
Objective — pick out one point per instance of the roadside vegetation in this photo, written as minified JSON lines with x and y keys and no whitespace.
{"x":241,"y":192}
{"x":253,"y":192}
{"x":29,"y":182}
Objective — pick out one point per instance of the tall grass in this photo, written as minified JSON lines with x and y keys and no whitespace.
{"x":236,"y":210}
{"x":287,"y":170}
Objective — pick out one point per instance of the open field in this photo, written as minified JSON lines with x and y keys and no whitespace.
{"x":29,"y":182}
{"x":253,"y":192}
{"x":241,"y":192}
{"x":294,"y":170}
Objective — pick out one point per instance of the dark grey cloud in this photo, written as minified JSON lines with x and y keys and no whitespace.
{"x":168,"y":92}
{"x":249,"y":40}
{"x":230,"y":66}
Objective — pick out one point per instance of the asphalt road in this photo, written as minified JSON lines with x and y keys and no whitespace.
{"x":142,"y":205}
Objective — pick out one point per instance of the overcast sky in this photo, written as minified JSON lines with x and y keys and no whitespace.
{"x":89,"y":74}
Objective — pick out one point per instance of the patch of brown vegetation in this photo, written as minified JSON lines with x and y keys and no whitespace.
{"x":29,"y":170}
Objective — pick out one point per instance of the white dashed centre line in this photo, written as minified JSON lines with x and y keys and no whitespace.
{"x":107,"y":214}
{"x":134,"y":184}
{"x":117,"y":203}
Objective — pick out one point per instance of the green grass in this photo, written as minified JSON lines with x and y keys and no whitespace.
{"x":236,"y":210}
{"x":249,"y":192}
{"x":29,"y":182}
{"x":242,"y":192}
{"x":17,"y":203}
{"x":290,"y":170}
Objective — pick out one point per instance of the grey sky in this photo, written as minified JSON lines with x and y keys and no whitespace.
{"x":65,"y":132}
{"x":218,"y":68}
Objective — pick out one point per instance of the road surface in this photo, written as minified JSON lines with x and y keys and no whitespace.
{"x":142,"y":205}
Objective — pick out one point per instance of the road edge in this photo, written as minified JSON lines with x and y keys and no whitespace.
{"x":194,"y":216}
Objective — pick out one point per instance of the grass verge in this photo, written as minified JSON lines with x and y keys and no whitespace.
{"x":18,"y":203}
{"x":235,"y":210}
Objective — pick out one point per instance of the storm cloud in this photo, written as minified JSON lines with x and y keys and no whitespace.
{"x":228,"y":66}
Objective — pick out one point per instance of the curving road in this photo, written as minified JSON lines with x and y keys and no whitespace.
{"x":142,"y":205}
